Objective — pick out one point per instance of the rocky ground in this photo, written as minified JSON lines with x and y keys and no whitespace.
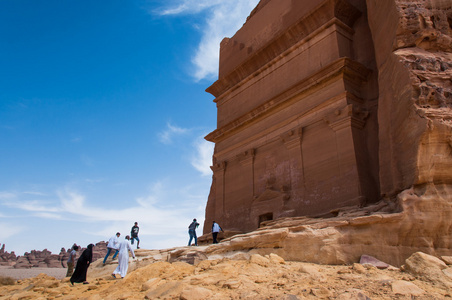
{"x":152,"y":275}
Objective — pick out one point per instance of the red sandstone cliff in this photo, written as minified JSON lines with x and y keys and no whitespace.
{"x":324,"y":105}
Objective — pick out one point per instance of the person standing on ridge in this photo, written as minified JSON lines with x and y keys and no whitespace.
{"x":113,"y":244}
{"x":192,"y":232}
{"x":71,"y":260}
{"x":215,"y":230}
{"x":123,"y":258}
{"x":134,"y":234}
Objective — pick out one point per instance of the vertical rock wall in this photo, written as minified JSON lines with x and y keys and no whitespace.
{"x":397,"y":84}
{"x":413,"y":53}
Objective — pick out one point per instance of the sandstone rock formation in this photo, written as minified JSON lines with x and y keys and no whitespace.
{"x":7,"y":259}
{"x":326,"y":106}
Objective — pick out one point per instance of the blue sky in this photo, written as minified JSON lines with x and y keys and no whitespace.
{"x":102,"y":118}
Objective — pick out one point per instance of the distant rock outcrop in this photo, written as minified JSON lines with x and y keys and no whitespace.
{"x":45,"y":258}
{"x":7,"y":259}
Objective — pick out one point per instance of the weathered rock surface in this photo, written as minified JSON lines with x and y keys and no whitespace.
{"x":152,"y":276}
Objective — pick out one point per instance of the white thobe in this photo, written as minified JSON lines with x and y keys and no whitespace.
{"x":123,"y":258}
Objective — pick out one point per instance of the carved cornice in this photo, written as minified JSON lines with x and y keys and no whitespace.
{"x":339,"y":12}
{"x":349,"y":116}
{"x":221,"y":166}
{"x":292,"y":138}
{"x":246,"y":157}
{"x":341,"y":67}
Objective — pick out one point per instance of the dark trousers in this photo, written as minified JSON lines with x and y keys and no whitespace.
{"x":214,"y":236}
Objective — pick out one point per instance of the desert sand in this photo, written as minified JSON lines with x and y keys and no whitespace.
{"x":58,"y":273}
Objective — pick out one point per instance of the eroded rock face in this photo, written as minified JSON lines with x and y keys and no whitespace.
{"x":329,"y":104}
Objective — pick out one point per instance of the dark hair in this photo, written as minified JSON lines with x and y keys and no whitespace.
{"x":194,"y":220}
{"x":75,"y":247}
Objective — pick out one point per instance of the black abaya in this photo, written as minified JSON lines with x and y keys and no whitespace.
{"x":82,"y":265}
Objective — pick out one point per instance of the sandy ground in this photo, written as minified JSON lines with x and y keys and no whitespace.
{"x":58,"y":273}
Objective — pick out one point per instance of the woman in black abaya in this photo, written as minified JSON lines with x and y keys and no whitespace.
{"x":82,"y":265}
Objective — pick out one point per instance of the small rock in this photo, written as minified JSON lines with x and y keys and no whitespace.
{"x":321,"y":292}
{"x":406,"y":288}
{"x":359,"y":268}
{"x":232,"y":284}
{"x":367,"y":259}
{"x":260,"y":260}
{"x":196,"y":293}
{"x":418,"y":262}
{"x":447,"y":259}
{"x":353,"y":294}
{"x":274,"y":258}
{"x":448,"y":272}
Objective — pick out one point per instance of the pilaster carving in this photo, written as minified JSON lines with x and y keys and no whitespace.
{"x":350,"y":115}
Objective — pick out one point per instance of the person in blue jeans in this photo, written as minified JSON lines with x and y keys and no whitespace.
{"x":113,"y":244}
{"x":134,"y":234}
{"x":192,"y":232}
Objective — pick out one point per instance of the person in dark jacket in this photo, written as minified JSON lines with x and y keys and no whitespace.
{"x":192,"y":232}
{"x":134,"y":234}
{"x":82,"y":265}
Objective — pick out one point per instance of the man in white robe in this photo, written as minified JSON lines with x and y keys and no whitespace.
{"x":123,"y":258}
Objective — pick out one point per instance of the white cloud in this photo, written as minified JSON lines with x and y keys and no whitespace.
{"x":71,"y":201}
{"x":223,"y":20}
{"x":189,"y":7}
{"x":166,"y":136}
{"x":202,"y":160}
{"x":6,"y":230}
{"x":33,"y":193}
{"x":7,"y":195}
{"x":151,"y":199}
{"x":32,"y":206}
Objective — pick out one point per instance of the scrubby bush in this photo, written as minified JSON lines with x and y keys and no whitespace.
{"x":6,"y":280}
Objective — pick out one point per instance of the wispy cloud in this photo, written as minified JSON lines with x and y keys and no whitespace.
{"x":156,"y":190}
{"x":7,"y":195}
{"x":6,"y":230}
{"x":225,"y":17}
{"x":167,"y":135}
{"x":188,"y":7}
{"x":202,"y":159}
